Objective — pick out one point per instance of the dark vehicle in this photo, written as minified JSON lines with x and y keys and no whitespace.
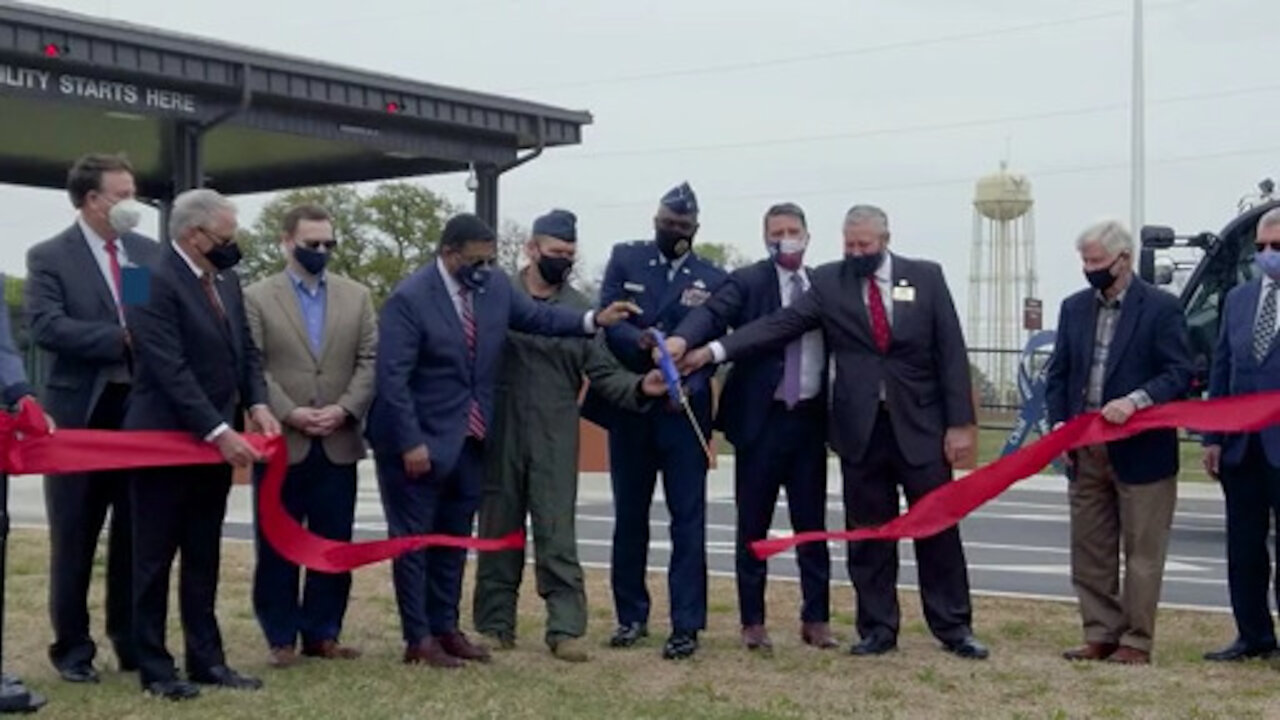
{"x":1205,"y":266}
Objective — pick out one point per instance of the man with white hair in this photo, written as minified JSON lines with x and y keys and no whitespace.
{"x":1248,"y":464}
{"x":197,"y":370}
{"x":901,"y":416}
{"x":1121,"y":346}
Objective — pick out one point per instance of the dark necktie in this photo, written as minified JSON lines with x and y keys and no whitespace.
{"x":206,"y":281}
{"x":1265,"y":329}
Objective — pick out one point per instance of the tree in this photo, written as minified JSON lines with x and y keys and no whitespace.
{"x":723,"y":255}
{"x":511,"y":241}
{"x":382,"y":236}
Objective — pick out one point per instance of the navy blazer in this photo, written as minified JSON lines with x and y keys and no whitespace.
{"x":13,"y":374}
{"x":1236,"y":372}
{"x":425,"y":380}
{"x":1149,"y":351}
{"x":193,"y":371}
{"x":750,"y":292}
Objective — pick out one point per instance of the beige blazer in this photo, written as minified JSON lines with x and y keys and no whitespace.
{"x":342,"y":374}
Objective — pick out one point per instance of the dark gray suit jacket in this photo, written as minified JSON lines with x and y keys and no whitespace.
{"x":73,"y":317}
{"x":925,"y":373}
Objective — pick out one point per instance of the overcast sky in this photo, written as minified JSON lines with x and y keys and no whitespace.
{"x":827,"y":103}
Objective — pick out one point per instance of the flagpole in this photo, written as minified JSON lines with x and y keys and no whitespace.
{"x":1137,"y":140}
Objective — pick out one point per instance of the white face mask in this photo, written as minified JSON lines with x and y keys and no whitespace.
{"x":125,"y":215}
{"x":792,"y":245}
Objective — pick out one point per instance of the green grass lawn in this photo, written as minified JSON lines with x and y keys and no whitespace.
{"x":1024,"y":679}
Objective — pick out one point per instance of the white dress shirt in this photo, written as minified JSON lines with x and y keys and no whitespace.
{"x":455,"y":294}
{"x":98,"y":246}
{"x":811,"y":349}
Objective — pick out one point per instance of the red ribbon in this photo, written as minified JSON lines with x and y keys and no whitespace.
{"x":950,"y":503}
{"x":27,"y":447}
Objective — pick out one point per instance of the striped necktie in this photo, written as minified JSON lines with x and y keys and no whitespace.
{"x":475,"y":419}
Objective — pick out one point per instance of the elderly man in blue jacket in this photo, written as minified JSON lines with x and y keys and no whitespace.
{"x":1121,"y":346}
{"x":1248,"y":464}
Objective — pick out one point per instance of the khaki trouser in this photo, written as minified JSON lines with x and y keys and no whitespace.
{"x":1105,"y":512}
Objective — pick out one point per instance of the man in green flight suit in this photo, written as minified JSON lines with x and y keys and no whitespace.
{"x":533,"y":457}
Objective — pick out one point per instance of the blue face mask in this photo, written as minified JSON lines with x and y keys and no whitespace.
{"x":1268,"y":261}
{"x":475,"y":276}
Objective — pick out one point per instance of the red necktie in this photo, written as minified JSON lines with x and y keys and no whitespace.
{"x":475,"y":419}
{"x":879,"y":320}
{"x":114,"y":256}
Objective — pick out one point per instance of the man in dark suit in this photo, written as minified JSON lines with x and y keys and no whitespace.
{"x":1248,"y":465}
{"x":901,"y":414}
{"x":1121,"y":346}
{"x":75,"y":309}
{"x":667,"y":279}
{"x":773,"y":411}
{"x":440,"y":341}
{"x":198,"y":370}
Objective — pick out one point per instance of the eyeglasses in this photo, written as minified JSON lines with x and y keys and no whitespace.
{"x":317,"y":244}
{"x":218,"y":239}
{"x":1274,"y":246}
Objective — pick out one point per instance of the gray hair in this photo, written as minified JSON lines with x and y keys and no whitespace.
{"x":1269,"y":218}
{"x":860,"y":214}
{"x":196,"y":208}
{"x":1111,"y":234}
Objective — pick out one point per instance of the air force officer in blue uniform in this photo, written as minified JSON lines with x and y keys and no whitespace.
{"x":666,"y":279}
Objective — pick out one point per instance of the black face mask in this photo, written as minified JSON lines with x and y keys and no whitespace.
{"x":313,"y":261}
{"x":553,"y":269}
{"x":1102,"y":278}
{"x":224,"y":257}
{"x":672,"y":243}
{"x":864,"y":265}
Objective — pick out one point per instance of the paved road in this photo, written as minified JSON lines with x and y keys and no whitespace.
{"x":1015,"y":544}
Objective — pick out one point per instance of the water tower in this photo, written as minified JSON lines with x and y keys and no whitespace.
{"x":1003,"y":305}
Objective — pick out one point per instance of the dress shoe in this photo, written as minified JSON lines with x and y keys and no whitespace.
{"x":755,"y":637}
{"x":457,"y":645}
{"x":225,"y":677}
{"x":282,"y":657}
{"x":78,"y":673}
{"x":818,"y":635}
{"x":1239,"y":650}
{"x":1125,"y":655}
{"x":330,"y":650}
{"x":874,"y":645}
{"x":627,"y":635}
{"x":429,"y":652}
{"x":967,"y":647}
{"x":682,"y":644}
{"x":1090,"y":651}
{"x":571,"y":649}
{"x":172,"y":690}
